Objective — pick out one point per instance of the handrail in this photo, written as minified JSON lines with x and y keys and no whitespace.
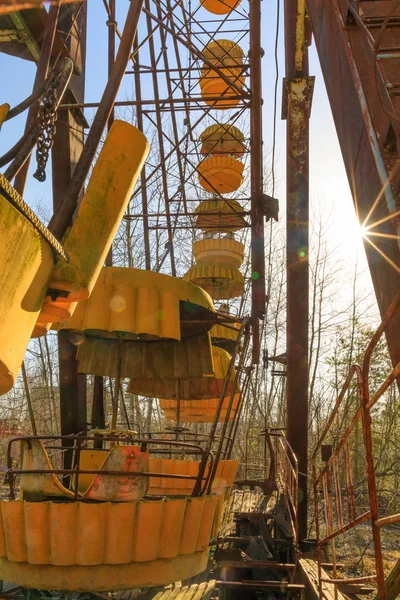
{"x":327,"y":479}
{"x":80,"y":442}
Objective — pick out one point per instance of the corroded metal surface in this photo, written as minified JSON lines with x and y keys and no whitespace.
{"x":356,"y":78}
{"x":298,"y":88}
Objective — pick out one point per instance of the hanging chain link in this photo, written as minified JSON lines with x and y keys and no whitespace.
{"x":47,"y":129}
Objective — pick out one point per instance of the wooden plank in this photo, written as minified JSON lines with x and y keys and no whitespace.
{"x":271,"y":585}
{"x":309,"y":574}
{"x":204,"y":593}
{"x":392,"y":583}
{"x":163,"y":595}
{"x":256,"y":564}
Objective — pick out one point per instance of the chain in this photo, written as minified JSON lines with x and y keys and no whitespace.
{"x":47,"y":129}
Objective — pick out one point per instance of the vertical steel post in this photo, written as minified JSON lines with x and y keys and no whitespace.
{"x":41,"y":74}
{"x":296,"y":109}
{"x":256,"y":158}
{"x":68,"y":144}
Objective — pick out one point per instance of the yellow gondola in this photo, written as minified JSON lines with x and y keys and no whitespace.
{"x":198,"y":411}
{"x":142,"y":305}
{"x":219,"y":215}
{"x":220,"y":281}
{"x":143,"y":323}
{"x":225,"y":337}
{"x":225,"y":250}
{"x":227,"y":56}
{"x":191,"y":357}
{"x":220,"y":7}
{"x":223,"y":174}
{"x":115,"y":539}
{"x":222,"y":139}
{"x":188,"y":388}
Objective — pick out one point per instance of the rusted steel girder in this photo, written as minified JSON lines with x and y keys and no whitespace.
{"x":297,"y":96}
{"x":61,"y":220}
{"x":358,"y":81}
{"x":66,"y":150}
{"x":41,"y":74}
{"x":256,"y":173}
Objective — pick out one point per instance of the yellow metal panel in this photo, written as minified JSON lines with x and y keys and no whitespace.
{"x":91,"y":530}
{"x":101,"y":210}
{"x":89,"y":534}
{"x":187,"y":416}
{"x":220,"y":281}
{"x":63,"y":533}
{"x":225,"y":251}
{"x":226,"y":51}
{"x":220,"y":7}
{"x":203,"y":539}
{"x":103,"y":578}
{"x":26,"y":262}
{"x":192,"y":524}
{"x":224,"y":333}
{"x":222,"y":139}
{"x":89,"y":460}
{"x":171,"y":527}
{"x":14,"y":530}
{"x":147,"y":530}
{"x":122,"y":308}
{"x":155,"y":483}
{"x":188,"y":388}
{"x":198,"y":405}
{"x":119,"y":528}
{"x":218,"y":515}
{"x":192,"y":357}
{"x":3,"y":547}
{"x":160,"y":486}
{"x":223,"y":217}
{"x":137,"y":302}
{"x":37,"y":532}
{"x":223,"y":174}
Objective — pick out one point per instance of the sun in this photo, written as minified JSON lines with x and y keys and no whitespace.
{"x":363,"y":229}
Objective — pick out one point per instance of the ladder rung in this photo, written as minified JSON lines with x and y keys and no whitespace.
{"x":385,"y":55}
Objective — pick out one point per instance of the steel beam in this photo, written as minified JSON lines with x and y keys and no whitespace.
{"x":297,"y":95}
{"x":67,"y":148}
{"x":62,"y":218}
{"x":256,"y":171}
{"x":368,"y":134}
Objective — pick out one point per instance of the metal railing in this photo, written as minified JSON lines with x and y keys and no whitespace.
{"x":287,"y":475}
{"x":61,"y":444}
{"x":335,"y":498}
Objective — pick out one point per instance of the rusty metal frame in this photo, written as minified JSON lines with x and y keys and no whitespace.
{"x":322,"y":476}
{"x":296,"y":107}
{"x":349,"y":46}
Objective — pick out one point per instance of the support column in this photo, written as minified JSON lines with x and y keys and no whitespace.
{"x":256,"y":166}
{"x":67,"y":148}
{"x":297,"y":97}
